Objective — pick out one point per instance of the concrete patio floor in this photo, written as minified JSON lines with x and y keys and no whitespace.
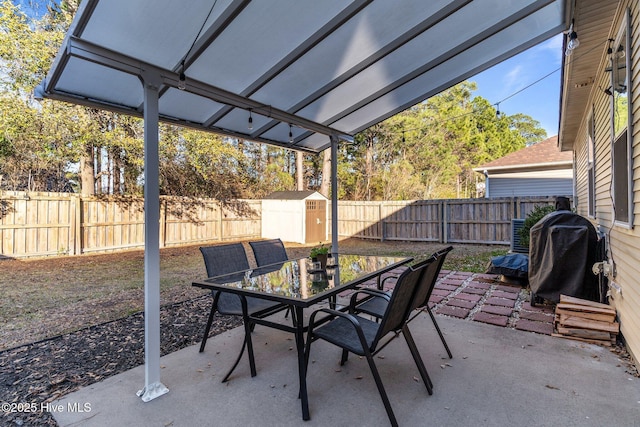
{"x":498,"y":376}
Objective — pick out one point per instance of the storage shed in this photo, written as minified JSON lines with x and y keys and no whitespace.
{"x":295,"y":216}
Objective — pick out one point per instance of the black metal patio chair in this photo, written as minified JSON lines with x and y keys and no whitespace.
{"x":269,"y":255}
{"x":376,"y":306}
{"x":226,"y":259}
{"x":364,"y":337}
{"x":270,"y":251}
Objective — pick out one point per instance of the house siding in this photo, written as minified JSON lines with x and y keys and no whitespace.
{"x":518,"y":187}
{"x":624,"y":242}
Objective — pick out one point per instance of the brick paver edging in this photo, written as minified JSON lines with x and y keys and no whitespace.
{"x":484,"y":298}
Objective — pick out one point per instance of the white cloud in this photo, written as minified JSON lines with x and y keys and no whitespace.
{"x":514,"y":76}
{"x":551,"y":50}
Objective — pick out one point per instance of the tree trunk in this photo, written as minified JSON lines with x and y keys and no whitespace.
{"x":326,"y":174}
{"x":97,"y":166}
{"x":300,"y":171}
{"x":117,"y":168}
{"x":368,"y":158}
{"x":87,"y":175}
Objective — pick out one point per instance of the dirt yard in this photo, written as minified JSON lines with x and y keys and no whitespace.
{"x":43,"y":298}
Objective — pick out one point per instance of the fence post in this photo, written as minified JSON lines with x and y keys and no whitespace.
{"x":163,"y":222}
{"x":77,"y":225}
{"x":381,"y":221}
{"x":445,"y":227}
{"x":220,"y":228}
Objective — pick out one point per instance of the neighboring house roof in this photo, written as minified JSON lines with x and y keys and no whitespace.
{"x":290,"y":195}
{"x":542,"y":154}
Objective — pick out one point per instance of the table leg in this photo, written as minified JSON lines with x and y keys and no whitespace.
{"x":247,"y":338}
{"x":302,"y":368}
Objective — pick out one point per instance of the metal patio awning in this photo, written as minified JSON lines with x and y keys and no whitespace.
{"x":309,"y":68}
{"x":306,"y":72}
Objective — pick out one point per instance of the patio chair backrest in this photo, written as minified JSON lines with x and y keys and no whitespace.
{"x":433,"y":265}
{"x":430,"y":266}
{"x":268,"y":251}
{"x":224,"y":259}
{"x":398,"y":309}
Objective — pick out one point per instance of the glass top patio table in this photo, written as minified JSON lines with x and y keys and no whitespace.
{"x":298,"y":284}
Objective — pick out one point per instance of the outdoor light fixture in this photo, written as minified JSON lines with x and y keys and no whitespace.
{"x":573,"y":41}
{"x":290,"y":134}
{"x":182,"y":85}
{"x":250,"y":124}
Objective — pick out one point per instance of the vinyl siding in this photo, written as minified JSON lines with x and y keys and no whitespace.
{"x":624,"y":242}
{"x":517,"y":187}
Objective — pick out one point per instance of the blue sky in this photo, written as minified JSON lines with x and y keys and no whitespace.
{"x":33,"y":7}
{"x":540,"y":101}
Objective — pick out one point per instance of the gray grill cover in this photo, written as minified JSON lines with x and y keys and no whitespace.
{"x":562,"y":251}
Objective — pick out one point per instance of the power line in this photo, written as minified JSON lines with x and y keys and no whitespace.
{"x":497,"y":104}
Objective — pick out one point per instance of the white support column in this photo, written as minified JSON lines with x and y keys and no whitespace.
{"x":153,"y":387}
{"x":334,"y":194}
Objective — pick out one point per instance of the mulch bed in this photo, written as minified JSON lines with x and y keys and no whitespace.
{"x":44,"y":371}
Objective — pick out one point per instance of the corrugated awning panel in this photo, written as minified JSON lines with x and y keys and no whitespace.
{"x":306,"y":67}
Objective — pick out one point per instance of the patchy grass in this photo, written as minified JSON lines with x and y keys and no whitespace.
{"x":48,"y":297}
{"x":476,"y":262}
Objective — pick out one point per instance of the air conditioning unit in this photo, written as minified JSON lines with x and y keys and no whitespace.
{"x":516,"y":246}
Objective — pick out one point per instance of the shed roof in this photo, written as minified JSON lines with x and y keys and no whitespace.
{"x":544,"y":153}
{"x":301,"y":70}
{"x":291,"y":195}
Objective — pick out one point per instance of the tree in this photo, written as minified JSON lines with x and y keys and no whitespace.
{"x":429,"y":150}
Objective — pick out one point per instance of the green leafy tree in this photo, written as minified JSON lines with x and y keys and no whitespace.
{"x":429,"y":150}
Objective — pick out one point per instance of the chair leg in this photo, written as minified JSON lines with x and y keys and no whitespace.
{"x":416,"y":357}
{"x":345,"y":356}
{"x":381,"y":390}
{"x":433,"y":318}
{"x":226,"y":377}
{"x":208,"y":328}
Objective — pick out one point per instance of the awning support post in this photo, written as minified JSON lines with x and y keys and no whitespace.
{"x":153,"y":387}
{"x":334,"y":194}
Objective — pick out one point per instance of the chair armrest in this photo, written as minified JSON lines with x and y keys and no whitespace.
{"x":381,"y":283}
{"x":377,"y":292}
{"x":331,"y":313}
{"x":387,"y":278}
{"x":335,"y":313}
{"x":374,"y":293}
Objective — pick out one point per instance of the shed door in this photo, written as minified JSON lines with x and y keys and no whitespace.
{"x":316,"y":214}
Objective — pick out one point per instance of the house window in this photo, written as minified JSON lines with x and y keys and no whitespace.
{"x":621,"y":123}
{"x":591,"y":167}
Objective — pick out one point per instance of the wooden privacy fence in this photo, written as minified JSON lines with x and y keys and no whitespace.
{"x":445,"y":221}
{"x":42,"y":224}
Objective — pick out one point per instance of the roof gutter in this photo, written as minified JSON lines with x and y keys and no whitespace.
{"x":531,"y":165}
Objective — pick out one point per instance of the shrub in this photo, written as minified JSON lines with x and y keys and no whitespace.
{"x":538,"y":212}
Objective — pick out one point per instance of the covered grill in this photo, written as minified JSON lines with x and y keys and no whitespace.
{"x":562,"y":251}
